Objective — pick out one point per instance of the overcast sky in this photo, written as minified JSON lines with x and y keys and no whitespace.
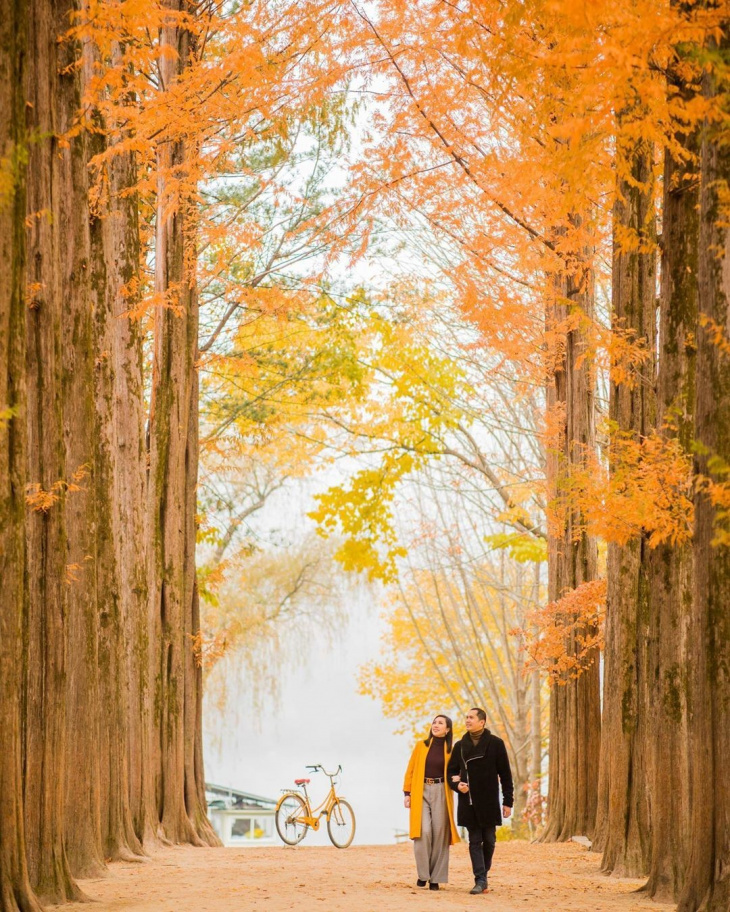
{"x":321,"y":719}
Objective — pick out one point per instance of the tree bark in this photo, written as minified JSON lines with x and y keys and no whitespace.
{"x":120,"y":483}
{"x":670,"y":565}
{"x":707,"y":883}
{"x":575,"y":720}
{"x":76,"y":719}
{"x":128,"y":806}
{"x":622,"y":828}
{"x":536,"y":704}
{"x":46,"y":624}
{"x":85,"y":561}
{"x":15,"y":890}
{"x":173,"y":485}
{"x":130,"y":518}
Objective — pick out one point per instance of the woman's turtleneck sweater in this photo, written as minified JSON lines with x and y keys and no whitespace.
{"x":435,"y":759}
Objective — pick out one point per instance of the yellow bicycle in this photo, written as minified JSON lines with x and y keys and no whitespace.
{"x":294,"y":814}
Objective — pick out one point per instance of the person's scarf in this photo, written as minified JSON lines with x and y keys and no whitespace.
{"x":475,"y":747}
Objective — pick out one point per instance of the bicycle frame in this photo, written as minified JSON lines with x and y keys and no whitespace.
{"x":294,"y":815}
{"x":313,"y":817}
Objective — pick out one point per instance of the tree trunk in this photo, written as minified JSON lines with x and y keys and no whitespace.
{"x":44,"y":697}
{"x":535,"y":727}
{"x":575,"y":720}
{"x":15,"y":891}
{"x":670,"y":565}
{"x":172,"y":488}
{"x":84,"y":560}
{"x":130,"y":519}
{"x":129,"y":813}
{"x":536,"y":705}
{"x":707,"y":884}
{"x":622,"y":828}
{"x":120,"y":475}
{"x":195,"y":802}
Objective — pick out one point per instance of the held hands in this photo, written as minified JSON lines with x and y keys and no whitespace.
{"x":407,"y":801}
{"x":463,"y":787}
{"x":506,"y":812}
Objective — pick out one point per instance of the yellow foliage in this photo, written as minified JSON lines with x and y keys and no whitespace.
{"x":447,"y":646}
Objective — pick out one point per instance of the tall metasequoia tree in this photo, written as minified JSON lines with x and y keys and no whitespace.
{"x":128,"y":814}
{"x":536,"y":702}
{"x":120,"y":487}
{"x":129,"y":504}
{"x":76,"y":719}
{"x":707,"y":883}
{"x":575,"y":721}
{"x":49,"y":92}
{"x":622,"y":826}
{"x":670,"y":565}
{"x":97,"y":824}
{"x":173,"y":480}
{"x":85,"y":560}
{"x":15,"y":890}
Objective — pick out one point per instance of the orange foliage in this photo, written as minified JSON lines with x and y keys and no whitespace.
{"x":575,"y":619}
{"x":207,"y":650}
{"x":717,"y":334}
{"x":255,"y":82}
{"x":716,"y":486}
{"x":496,"y":132}
{"x":493,"y":129}
{"x":497,"y":126}
{"x":647,"y":491}
{"x":41,"y":500}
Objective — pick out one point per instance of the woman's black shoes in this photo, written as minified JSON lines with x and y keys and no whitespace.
{"x":422,"y":883}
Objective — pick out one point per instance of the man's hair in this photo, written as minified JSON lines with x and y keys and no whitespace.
{"x":481,"y":715}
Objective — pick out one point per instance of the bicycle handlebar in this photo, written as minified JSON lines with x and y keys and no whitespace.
{"x":318,"y":766}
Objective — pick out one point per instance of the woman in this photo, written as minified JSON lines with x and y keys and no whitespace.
{"x":431,"y":801}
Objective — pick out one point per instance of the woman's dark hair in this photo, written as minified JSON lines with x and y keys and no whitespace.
{"x":449,"y":733}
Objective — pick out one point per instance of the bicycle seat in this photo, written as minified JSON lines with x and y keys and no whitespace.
{"x":301,"y":781}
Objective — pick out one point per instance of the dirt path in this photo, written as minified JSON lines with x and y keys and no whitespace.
{"x":529,"y":878}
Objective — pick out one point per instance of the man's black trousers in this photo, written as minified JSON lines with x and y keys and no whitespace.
{"x":481,"y":849}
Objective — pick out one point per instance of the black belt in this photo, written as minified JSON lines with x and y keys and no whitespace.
{"x":433,"y":781}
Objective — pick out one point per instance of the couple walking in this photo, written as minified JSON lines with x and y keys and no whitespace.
{"x":475,"y":768}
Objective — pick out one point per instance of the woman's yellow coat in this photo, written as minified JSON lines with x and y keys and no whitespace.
{"x":413,"y":783}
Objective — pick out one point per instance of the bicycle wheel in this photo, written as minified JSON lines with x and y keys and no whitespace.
{"x":341,"y":824}
{"x":288,"y":818}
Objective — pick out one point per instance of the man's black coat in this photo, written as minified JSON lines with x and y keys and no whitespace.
{"x":483,"y":766}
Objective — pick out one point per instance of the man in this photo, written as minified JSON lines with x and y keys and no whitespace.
{"x":478,"y":766}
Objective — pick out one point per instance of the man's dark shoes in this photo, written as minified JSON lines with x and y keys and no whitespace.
{"x":420,"y":883}
{"x":433,"y":886}
{"x":479,"y":887}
